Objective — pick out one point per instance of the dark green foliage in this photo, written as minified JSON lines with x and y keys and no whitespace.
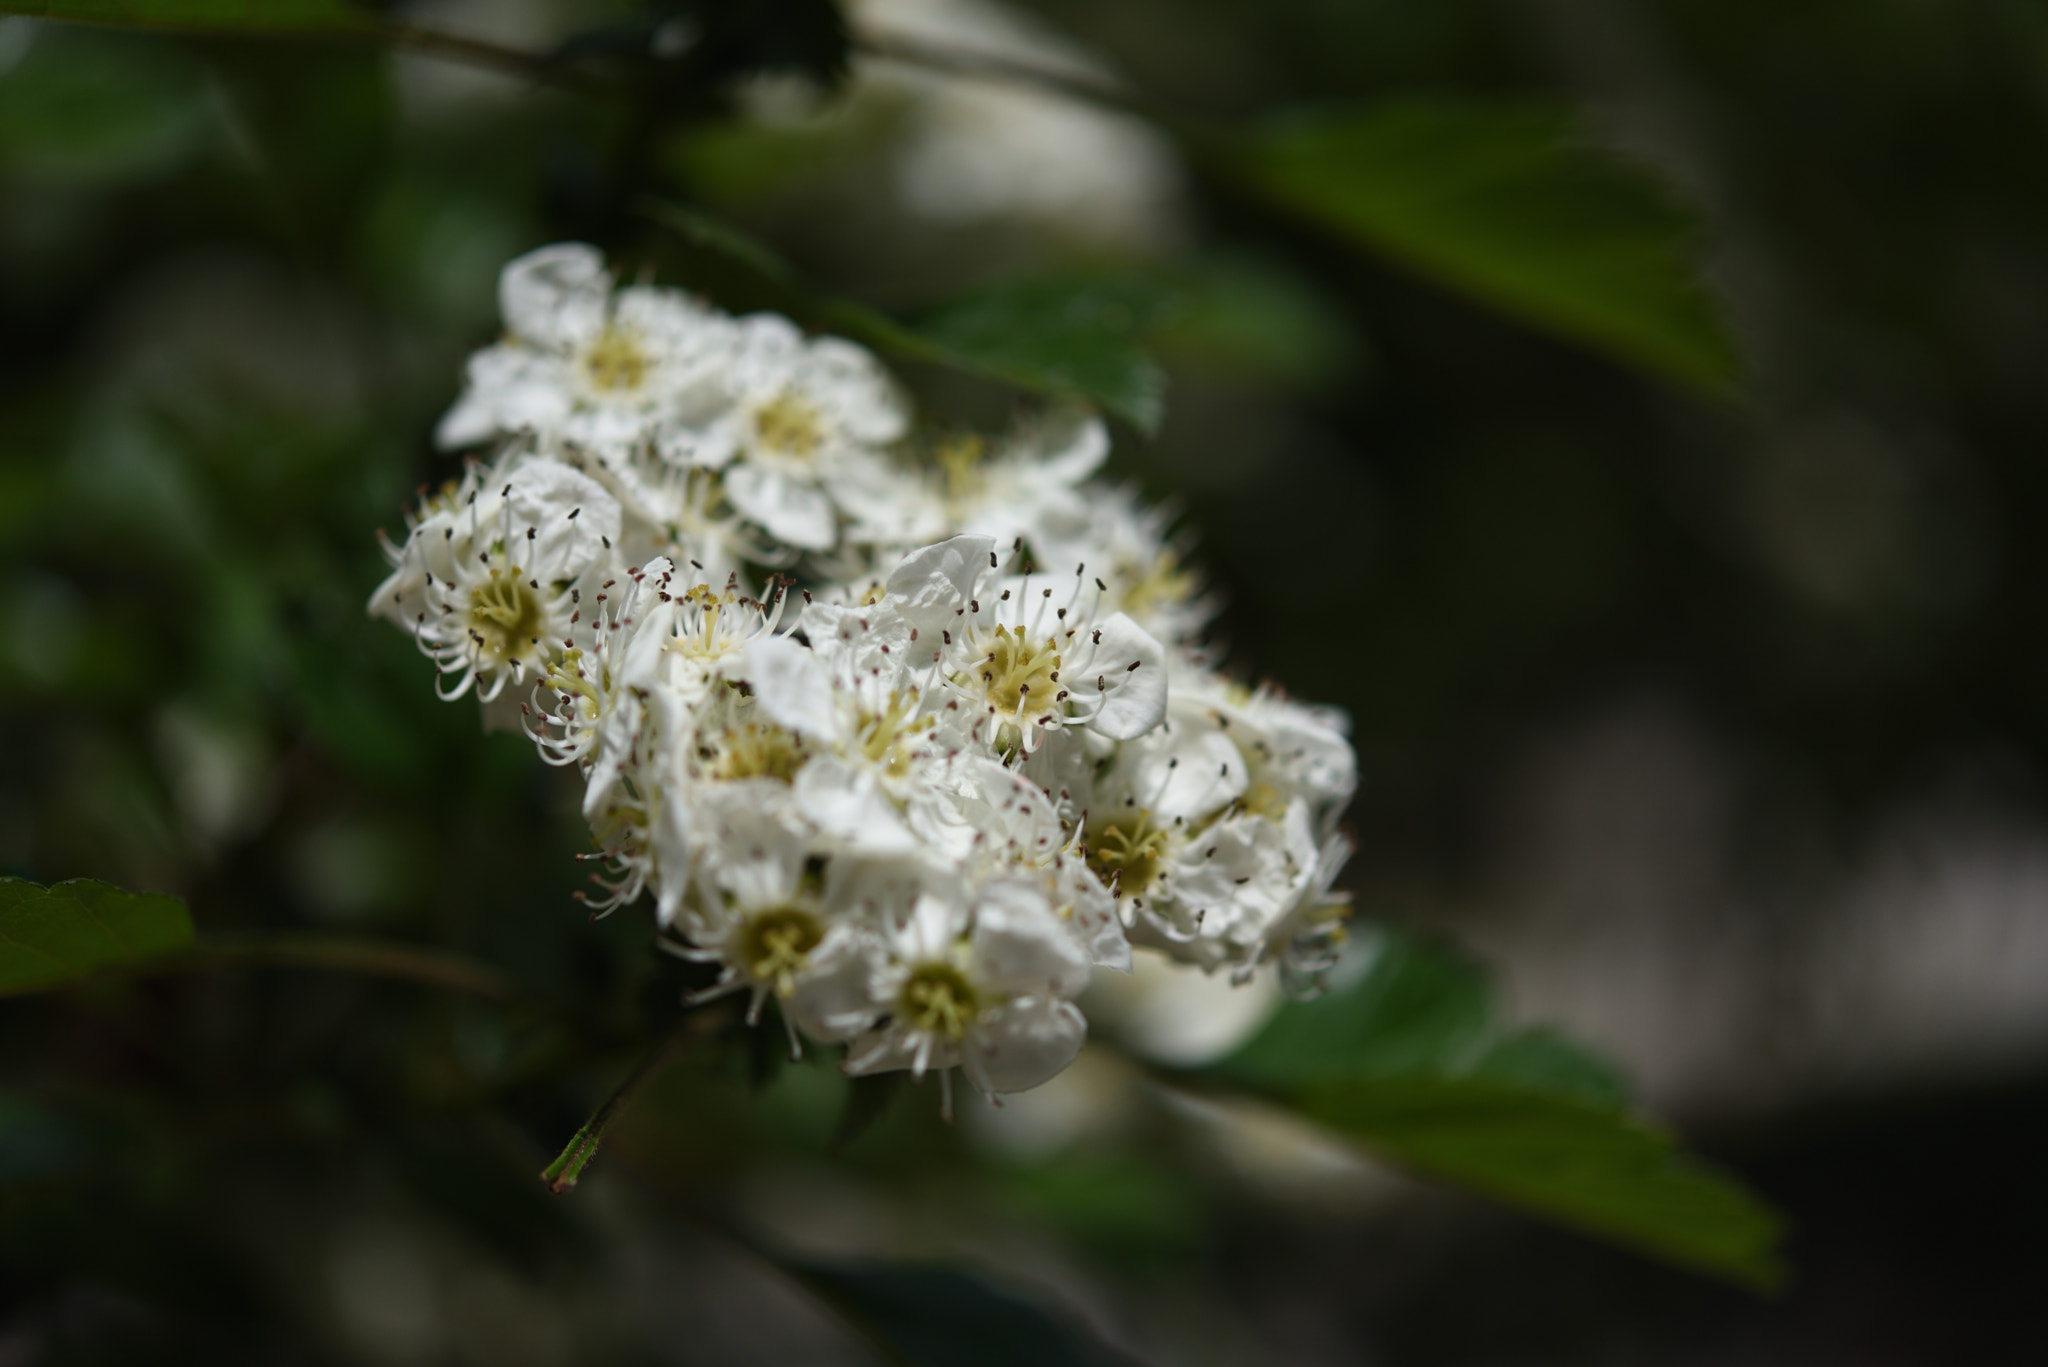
{"x":1580,"y":1162}
{"x":55,"y":935}
{"x":1510,"y":202}
{"x":1077,"y":339}
{"x":1072,"y":338}
{"x":1411,"y":1061}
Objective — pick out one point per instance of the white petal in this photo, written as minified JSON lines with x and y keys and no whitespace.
{"x":1015,"y":1047}
{"x":570,"y":514}
{"x":931,"y":585}
{"x":670,"y":840}
{"x":1020,"y":945}
{"x":847,"y":805}
{"x":844,"y":989}
{"x":1090,"y":915}
{"x":1190,"y":771}
{"x":1013,"y":814}
{"x":507,"y":388}
{"x":1135,"y":700}
{"x":791,"y":685}
{"x":792,"y":511}
{"x":855,"y":389}
{"x":1074,"y":445}
{"x":555,"y":297}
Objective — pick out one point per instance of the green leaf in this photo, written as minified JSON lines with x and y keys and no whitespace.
{"x":1260,"y":317}
{"x":1074,"y":338}
{"x":1548,"y":1062}
{"x":251,"y":16}
{"x":1577,"y":1161}
{"x":89,"y":110}
{"x":1410,"y":1061}
{"x":1418,"y":1010}
{"x":1071,"y":337}
{"x":1509,"y":202}
{"x":941,"y":1317}
{"x":55,"y":935}
{"x":713,"y":234}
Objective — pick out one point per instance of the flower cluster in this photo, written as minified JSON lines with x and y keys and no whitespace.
{"x":908,"y":733}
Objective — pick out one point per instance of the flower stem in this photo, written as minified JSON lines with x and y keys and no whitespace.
{"x":562,"y":1174}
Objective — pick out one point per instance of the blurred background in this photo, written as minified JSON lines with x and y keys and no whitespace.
{"x":1715,"y":722}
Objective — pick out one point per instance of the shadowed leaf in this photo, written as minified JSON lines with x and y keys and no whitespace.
{"x":1579,"y":1162}
{"x":1410,"y":1061}
{"x":1078,"y":337}
{"x":1509,"y":203}
{"x":55,"y":935}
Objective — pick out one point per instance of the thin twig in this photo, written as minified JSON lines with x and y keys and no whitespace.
{"x":376,"y":958}
{"x":540,"y":68}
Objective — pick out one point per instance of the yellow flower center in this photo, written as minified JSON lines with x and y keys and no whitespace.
{"x":776,"y":945}
{"x":937,"y":999}
{"x":1163,"y":584}
{"x":703,"y":637}
{"x":616,"y":362}
{"x":758,"y":750}
{"x":1126,"y":852}
{"x":505,"y":616}
{"x":889,"y":738}
{"x":567,"y":678}
{"x":959,"y":459}
{"x":1019,"y":676}
{"x":790,"y":424}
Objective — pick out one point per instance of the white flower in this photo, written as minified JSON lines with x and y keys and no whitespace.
{"x":920,"y":815}
{"x":648,"y":714}
{"x":756,"y":907}
{"x":491,"y":578}
{"x":677,"y":512}
{"x":1028,"y":485}
{"x":604,"y":370}
{"x":800,"y":418}
{"x":1292,"y":750}
{"x":984,"y":987}
{"x":1017,"y":656}
{"x":1206,"y":836}
{"x":1145,"y":574}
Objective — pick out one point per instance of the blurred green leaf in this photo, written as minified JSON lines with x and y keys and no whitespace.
{"x":245,"y":15}
{"x":1548,"y":1062}
{"x":1072,"y":337}
{"x":1509,"y":202}
{"x":1418,"y":1010}
{"x":1410,"y":1061}
{"x":1128,"y":1209}
{"x":58,"y":934}
{"x":92,"y":110}
{"x":1260,"y":316}
{"x":943,"y":1317}
{"x":717,"y":236}
{"x":1578,"y":1161}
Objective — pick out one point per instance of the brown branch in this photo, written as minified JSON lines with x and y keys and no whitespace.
{"x":374,"y":958}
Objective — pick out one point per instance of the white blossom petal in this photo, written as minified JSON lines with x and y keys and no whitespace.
{"x":1019,"y":1045}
